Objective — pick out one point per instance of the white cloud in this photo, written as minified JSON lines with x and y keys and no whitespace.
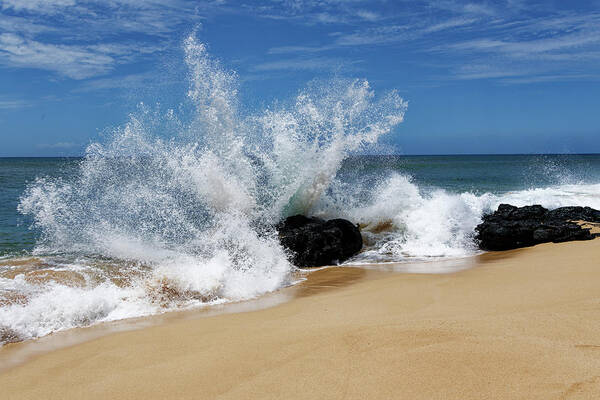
{"x":298,"y":49}
{"x":41,"y":6}
{"x":75,"y":62}
{"x":533,"y":41}
{"x":22,"y":25}
{"x":323,"y":12}
{"x":565,"y":47}
{"x":485,"y":71}
{"x":553,"y":78}
{"x":478,"y":8}
{"x":72,"y":61}
{"x":527,"y":48}
{"x":368,"y":15}
{"x":13,"y":104}
{"x":299,"y":64}
{"x":379,"y":35}
{"x":519,"y":36}
{"x":82,"y":42}
{"x":132,"y":81}
{"x":448,"y":24}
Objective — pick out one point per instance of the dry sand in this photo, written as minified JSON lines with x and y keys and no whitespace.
{"x":522,"y":324}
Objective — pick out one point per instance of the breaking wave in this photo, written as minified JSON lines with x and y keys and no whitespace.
{"x":402,"y":222}
{"x":176,"y":209}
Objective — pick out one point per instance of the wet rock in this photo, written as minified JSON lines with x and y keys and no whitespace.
{"x":511,"y":227}
{"x":314,"y":242}
{"x":574,"y":214}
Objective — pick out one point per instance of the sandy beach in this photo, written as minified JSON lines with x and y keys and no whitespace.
{"x":521,"y":324}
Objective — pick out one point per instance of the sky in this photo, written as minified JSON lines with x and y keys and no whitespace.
{"x":482,"y":77}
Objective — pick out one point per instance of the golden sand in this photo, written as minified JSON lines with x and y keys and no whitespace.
{"x":521,"y":324}
{"x":594,"y":227}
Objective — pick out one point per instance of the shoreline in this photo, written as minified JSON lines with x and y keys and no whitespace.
{"x":314,"y":281}
{"x":521,"y":324}
{"x":309,"y":281}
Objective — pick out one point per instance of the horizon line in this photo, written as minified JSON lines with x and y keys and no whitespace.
{"x":387,"y":155}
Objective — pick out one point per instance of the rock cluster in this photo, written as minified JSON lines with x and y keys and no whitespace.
{"x":314,"y":242}
{"x":511,"y":227}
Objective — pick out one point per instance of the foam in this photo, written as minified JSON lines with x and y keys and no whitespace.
{"x":423,"y":224}
{"x":182,"y":206}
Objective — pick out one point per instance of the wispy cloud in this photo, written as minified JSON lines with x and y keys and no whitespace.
{"x":485,"y":71}
{"x":82,"y":39}
{"x":325,"y":12}
{"x":39,"y":6}
{"x":449,"y":24}
{"x":461,"y":7}
{"x":13,"y":104}
{"x":538,"y":49}
{"x":128,"y":82}
{"x":529,"y":48}
{"x":368,"y":15}
{"x":378,"y":35}
{"x":299,"y":49}
{"x":22,"y":25}
{"x":75,"y":62}
{"x":497,"y":40}
{"x":305,"y":64}
{"x":397,"y":27}
{"x":553,"y":78}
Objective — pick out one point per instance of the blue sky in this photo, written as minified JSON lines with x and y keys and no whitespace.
{"x":509,"y":76}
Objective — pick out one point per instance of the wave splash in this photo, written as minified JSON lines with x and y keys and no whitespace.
{"x":402,"y":222}
{"x":177,"y":210}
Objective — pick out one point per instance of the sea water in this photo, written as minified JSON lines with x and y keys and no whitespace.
{"x":176,"y":210}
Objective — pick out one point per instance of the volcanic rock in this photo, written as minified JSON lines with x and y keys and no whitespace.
{"x":511,"y":227}
{"x":314,"y":242}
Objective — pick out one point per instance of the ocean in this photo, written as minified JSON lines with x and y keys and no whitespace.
{"x":411,"y":208}
{"x":175,"y":209}
{"x":552,"y":180}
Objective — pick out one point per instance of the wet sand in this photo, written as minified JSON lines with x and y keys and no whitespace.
{"x":520,"y":324}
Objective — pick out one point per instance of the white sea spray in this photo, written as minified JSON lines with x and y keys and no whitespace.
{"x":166,"y":214}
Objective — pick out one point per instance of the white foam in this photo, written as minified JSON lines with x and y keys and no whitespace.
{"x":185,"y":209}
{"x":436,"y":223}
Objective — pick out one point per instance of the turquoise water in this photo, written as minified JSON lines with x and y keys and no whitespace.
{"x":16,"y":237}
{"x":477,"y":174}
{"x":491,"y":173}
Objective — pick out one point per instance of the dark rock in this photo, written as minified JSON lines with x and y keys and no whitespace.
{"x":575,"y":214}
{"x":314,"y":242}
{"x":511,"y":227}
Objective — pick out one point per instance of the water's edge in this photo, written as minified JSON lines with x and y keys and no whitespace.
{"x":309,"y":283}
